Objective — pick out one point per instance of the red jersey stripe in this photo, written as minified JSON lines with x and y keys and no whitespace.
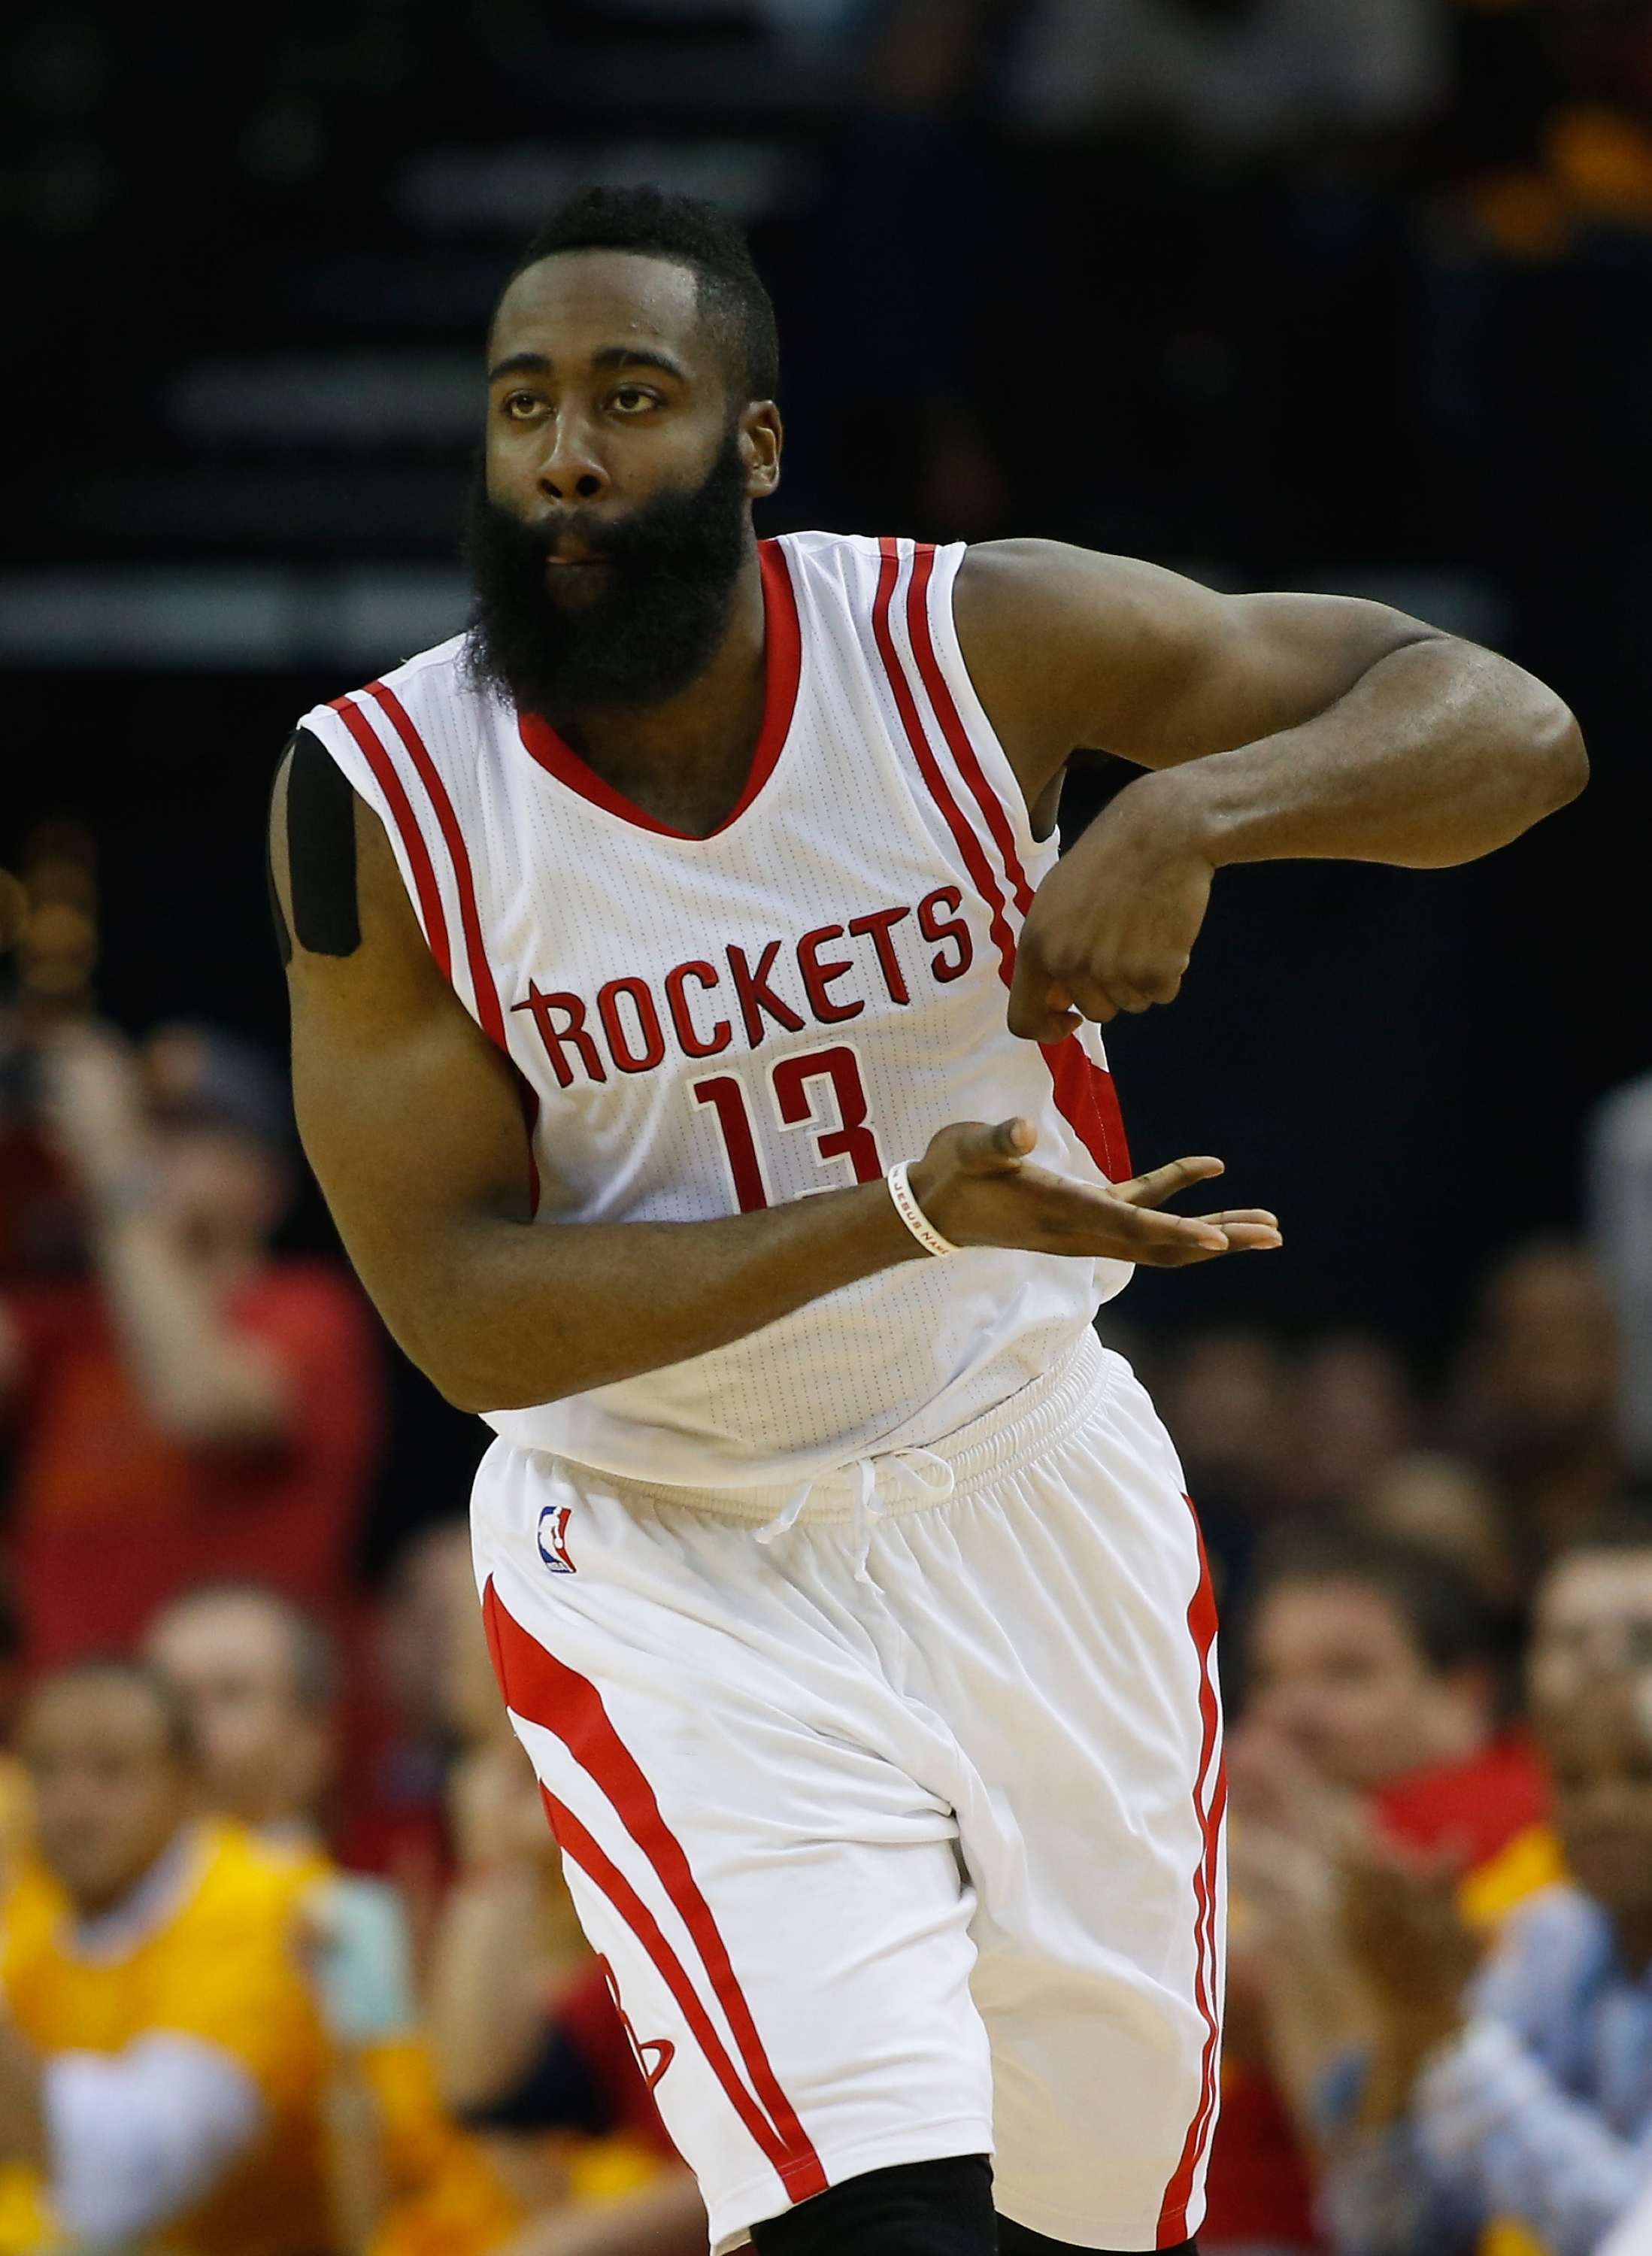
{"x":481,"y":986}
{"x":1085,"y":1095}
{"x":545,"y":1691}
{"x":969,"y":845}
{"x":1087,"y":1098}
{"x":952,"y":728}
{"x":430,"y":909}
{"x":1211,"y":1780}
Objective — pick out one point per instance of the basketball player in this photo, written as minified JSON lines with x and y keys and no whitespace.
{"x":841,"y":1587}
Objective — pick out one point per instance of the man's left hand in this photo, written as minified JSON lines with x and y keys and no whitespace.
{"x":1112,"y":926}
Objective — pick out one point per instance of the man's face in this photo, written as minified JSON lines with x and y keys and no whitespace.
{"x":614,"y":518}
{"x":264,"y":1756}
{"x":110,"y":1789}
{"x":1551,"y":1346}
{"x":1591,"y":1622}
{"x":1334,"y":1669}
{"x":1599,"y":1760}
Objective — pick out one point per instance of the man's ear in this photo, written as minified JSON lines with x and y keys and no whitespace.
{"x":762,"y":438}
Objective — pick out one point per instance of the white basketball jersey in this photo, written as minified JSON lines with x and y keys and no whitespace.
{"x":708,"y":1026}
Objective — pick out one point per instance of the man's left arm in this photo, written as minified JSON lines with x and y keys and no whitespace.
{"x":1277,"y":727}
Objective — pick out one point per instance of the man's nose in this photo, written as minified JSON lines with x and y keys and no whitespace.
{"x":572,"y":471}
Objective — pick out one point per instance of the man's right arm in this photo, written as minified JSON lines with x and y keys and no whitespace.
{"x":413,"y":1121}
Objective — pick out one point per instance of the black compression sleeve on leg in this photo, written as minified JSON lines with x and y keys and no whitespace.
{"x":1021,"y":2240}
{"x":915,"y":2209}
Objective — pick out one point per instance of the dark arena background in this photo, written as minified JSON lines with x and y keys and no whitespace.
{"x":1341,"y":295}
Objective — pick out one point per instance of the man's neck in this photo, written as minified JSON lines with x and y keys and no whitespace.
{"x":685,"y":762}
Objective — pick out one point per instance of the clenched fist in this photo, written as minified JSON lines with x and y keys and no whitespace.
{"x":1112,"y":926}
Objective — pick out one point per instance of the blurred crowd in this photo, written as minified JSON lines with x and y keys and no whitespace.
{"x":1437,"y":1610}
{"x":286,"y":1960}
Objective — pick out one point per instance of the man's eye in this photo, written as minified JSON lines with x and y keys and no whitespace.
{"x":522,"y":403}
{"x":631,"y":398}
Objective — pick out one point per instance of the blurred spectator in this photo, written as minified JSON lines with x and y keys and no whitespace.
{"x":1226,"y":1400}
{"x":1370,"y":1712}
{"x":17,"y":1798}
{"x":1350,"y":1415}
{"x":1441,"y":1503}
{"x":1265,"y":1435}
{"x":200,"y":1408}
{"x":532,"y":2046}
{"x":1592,"y":1617}
{"x":160,"y":2064}
{"x":48,"y":914}
{"x":1631,"y":2235}
{"x":260,"y":1681}
{"x":1529,"y":2098}
{"x":1368,"y":1661}
{"x":1618,"y":1165}
{"x":1536,"y":1395}
{"x":396,"y":1822}
{"x":1518,"y":2116}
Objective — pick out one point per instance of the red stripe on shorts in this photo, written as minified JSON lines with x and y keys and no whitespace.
{"x":1085,"y":1095}
{"x":576,"y":1841}
{"x":481,"y":986}
{"x":1211,"y":1780}
{"x":545,"y":1691}
{"x":413,"y":838}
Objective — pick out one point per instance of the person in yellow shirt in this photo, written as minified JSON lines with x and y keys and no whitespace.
{"x":259,"y":1679}
{"x":163,"y":2049}
{"x":408,"y":2179}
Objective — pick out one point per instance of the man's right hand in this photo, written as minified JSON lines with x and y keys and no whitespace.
{"x":975,"y":1185}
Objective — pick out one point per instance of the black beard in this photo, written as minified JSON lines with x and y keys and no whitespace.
{"x":670,"y":567}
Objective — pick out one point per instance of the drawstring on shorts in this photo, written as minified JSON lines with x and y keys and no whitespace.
{"x":905,"y":1467}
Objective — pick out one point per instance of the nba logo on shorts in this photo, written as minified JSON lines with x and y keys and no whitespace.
{"x":553,"y":1538}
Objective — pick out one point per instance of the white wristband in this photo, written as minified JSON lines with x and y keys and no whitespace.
{"x":914,"y":1216}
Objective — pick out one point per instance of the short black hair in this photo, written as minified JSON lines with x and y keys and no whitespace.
{"x":138,"y":1677}
{"x":686,"y":231}
{"x":1441,"y":1610}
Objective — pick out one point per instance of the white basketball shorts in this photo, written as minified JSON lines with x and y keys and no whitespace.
{"x":899,"y":1826}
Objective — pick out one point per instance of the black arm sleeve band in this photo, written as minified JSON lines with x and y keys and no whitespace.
{"x":321,"y":850}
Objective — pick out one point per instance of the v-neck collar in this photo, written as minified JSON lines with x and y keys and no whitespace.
{"x":782,"y":653}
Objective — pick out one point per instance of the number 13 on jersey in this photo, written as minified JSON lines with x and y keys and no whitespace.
{"x":806,"y":1090}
